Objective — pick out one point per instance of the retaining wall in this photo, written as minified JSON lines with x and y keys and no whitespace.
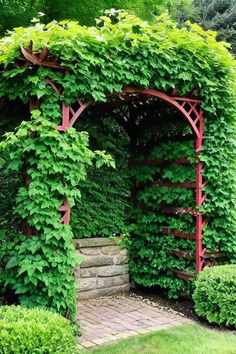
{"x":104,"y":269}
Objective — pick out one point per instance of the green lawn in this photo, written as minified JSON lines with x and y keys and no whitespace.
{"x":189,"y":339}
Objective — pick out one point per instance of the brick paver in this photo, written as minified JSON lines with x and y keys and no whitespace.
{"x":109,"y":319}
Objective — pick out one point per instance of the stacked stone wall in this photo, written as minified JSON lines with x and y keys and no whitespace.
{"x":104,"y":269}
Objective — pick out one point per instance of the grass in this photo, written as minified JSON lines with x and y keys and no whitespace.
{"x":186,"y":339}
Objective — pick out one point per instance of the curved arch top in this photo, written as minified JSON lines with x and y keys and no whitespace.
{"x":191,"y":110}
{"x":188,"y":107}
{"x":178,"y":102}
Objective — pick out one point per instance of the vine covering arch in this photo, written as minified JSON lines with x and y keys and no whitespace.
{"x":91,"y":63}
{"x":194,"y":116}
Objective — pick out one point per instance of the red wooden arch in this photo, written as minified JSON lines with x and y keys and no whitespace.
{"x":190,"y":108}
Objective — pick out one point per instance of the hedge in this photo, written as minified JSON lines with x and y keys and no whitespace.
{"x":35,"y":330}
{"x":215,"y":295}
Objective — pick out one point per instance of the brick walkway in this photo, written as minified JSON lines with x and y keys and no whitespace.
{"x":110,"y":319}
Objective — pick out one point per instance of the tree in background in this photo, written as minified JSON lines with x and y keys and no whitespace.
{"x":13,"y":14}
{"x":19,"y":12}
{"x":218,"y":15}
{"x":87,"y":10}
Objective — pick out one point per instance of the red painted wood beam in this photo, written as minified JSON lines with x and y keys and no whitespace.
{"x":183,"y":275}
{"x":181,"y":161}
{"x":172,"y":185}
{"x":182,"y":254}
{"x":176,"y":211}
{"x":178,"y":233}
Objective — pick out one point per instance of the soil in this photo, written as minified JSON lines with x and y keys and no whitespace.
{"x":183,"y":305}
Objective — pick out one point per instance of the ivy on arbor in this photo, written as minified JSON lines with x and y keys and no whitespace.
{"x":121,"y":50}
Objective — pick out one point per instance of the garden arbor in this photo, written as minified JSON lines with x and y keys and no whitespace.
{"x":191,"y":110}
{"x":65,"y":71}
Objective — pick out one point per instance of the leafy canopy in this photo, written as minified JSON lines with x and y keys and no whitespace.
{"x":120,"y":50}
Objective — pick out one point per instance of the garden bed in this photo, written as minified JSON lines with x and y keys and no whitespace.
{"x":183,"y":305}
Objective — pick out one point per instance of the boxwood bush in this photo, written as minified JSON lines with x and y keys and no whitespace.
{"x":215,"y":294}
{"x":35,"y":330}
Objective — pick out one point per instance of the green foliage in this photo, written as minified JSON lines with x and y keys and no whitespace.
{"x":121,"y":50}
{"x":214,"y":295}
{"x":40,"y":267}
{"x":34,"y":331}
{"x":218,"y":15}
{"x":87,"y":11}
{"x":151,"y":261}
{"x":103,"y":208}
{"x":10,"y":182}
{"x":180,"y":10}
{"x":19,"y":13}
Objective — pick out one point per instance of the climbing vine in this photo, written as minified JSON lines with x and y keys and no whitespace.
{"x":121,"y":50}
{"x":96,"y":214}
{"x":40,"y":268}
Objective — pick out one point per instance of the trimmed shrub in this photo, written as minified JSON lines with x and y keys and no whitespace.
{"x":215,"y":294}
{"x":35,"y":330}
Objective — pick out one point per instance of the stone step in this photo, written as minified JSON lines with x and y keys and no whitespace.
{"x":90,"y":294}
{"x":94,"y":242}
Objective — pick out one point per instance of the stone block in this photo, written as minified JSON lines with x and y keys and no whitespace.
{"x":87,"y":284}
{"x":111,"y":250}
{"x":90,"y":251}
{"x":109,"y":271}
{"x":87,"y":344}
{"x":121,"y":258}
{"x":77,"y":272}
{"x":93,"y":242}
{"x":112,"y":281}
{"x":90,"y":294}
{"x":88,"y":272}
{"x":92,"y":261}
{"x":104,"y":269}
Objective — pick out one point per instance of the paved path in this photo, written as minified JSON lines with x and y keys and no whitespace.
{"x":109,"y":319}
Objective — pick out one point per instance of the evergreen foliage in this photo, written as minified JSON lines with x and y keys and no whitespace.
{"x":122,"y":50}
{"x":220,"y":16}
